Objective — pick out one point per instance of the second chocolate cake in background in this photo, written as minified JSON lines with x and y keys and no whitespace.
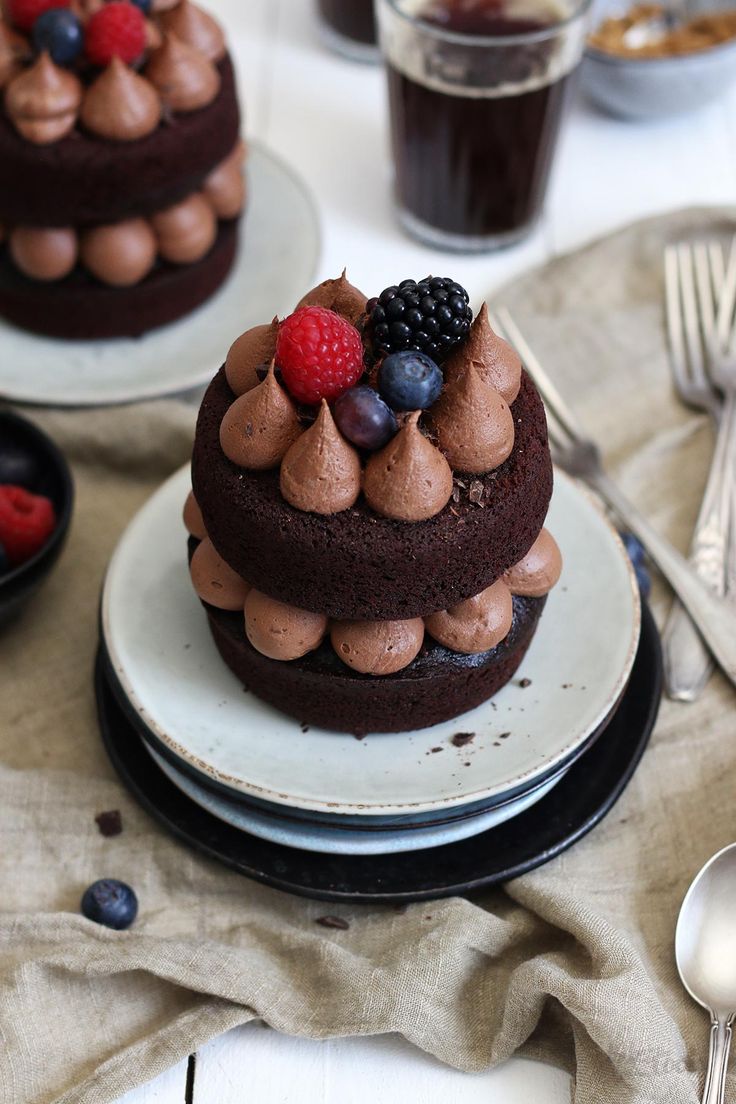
{"x":121,"y":177}
{"x":370,"y":483}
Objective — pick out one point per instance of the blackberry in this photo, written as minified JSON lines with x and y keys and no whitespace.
{"x":431,"y":316}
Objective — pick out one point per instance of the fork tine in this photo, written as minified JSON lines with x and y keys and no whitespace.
{"x":706,"y":298}
{"x":693,"y":341}
{"x":728,"y":301}
{"x":554,"y":402}
{"x":717,"y":269}
{"x":673,"y":314}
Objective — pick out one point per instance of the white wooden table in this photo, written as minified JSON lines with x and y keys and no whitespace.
{"x":327,"y":118}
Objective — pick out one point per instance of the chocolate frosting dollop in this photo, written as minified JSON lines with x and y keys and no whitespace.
{"x":321,"y":472}
{"x":120,"y":254}
{"x":409,"y":479}
{"x":121,"y":105}
{"x":186,"y":231}
{"x":195,"y":27}
{"x":42,"y":102}
{"x":497,"y":362}
{"x":192,"y":517}
{"x":477,"y":624}
{"x":473,"y":423}
{"x":185,"y":78}
{"x":260,"y":427}
{"x":44,"y":253}
{"x":339,"y":296}
{"x":377,"y":647}
{"x":215,"y":581}
{"x":537,"y":572}
{"x":224,"y":188}
{"x":250,"y":351}
{"x":280,"y":631}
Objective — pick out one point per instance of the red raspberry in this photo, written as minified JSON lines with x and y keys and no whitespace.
{"x":320,"y":354}
{"x":24,"y":13}
{"x":26,"y":522}
{"x":117,"y":30}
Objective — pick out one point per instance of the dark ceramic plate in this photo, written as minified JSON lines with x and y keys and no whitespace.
{"x":55,"y":482}
{"x":579,"y":801}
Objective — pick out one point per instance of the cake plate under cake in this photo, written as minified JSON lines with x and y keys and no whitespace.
{"x":178,"y":690}
{"x":276,"y":262}
{"x":574,"y":806}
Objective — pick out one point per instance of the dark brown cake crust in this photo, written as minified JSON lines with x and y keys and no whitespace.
{"x":82,"y":307}
{"x":356,"y":565}
{"x":85,"y":181}
{"x":321,"y":690}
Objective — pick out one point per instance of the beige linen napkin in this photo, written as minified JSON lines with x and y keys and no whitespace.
{"x":573,"y":962}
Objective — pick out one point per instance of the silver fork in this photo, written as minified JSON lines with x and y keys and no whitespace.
{"x":580,"y":456}
{"x":694,"y":283}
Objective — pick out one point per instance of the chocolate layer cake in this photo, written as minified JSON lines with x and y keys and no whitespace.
{"x":367,"y":516}
{"x":121,"y":179}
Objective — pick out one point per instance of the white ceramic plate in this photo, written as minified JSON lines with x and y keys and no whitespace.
{"x":160,"y":648}
{"x":341,"y":841}
{"x":275,"y":265}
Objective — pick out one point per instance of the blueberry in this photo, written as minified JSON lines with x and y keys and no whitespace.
{"x":19,"y":467}
{"x":4,"y":561}
{"x":111,"y":903}
{"x":144,"y":5}
{"x":635,"y":549}
{"x":363,"y":417}
{"x":409,"y":381}
{"x":58,"y":31}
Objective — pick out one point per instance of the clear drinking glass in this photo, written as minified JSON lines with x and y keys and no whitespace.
{"x":349,"y":27}
{"x":477,"y":92}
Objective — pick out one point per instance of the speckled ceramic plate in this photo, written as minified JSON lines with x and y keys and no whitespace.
{"x":275,"y":265}
{"x":334,"y":839}
{"x":166,"y":664}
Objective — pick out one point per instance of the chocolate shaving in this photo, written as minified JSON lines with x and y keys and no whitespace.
{"x":460,"y":739}
{"x":523,"y":683}
{"x":476,"y":492}
{"x":110,"y":823}
{"x":455,"y":494}
{"x":336,"y":922}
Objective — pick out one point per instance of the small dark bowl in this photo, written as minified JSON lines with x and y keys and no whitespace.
{"x":18,"y":584}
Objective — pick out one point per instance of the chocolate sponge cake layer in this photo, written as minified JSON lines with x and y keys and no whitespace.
{"x":80,"y":307}
{"x":355,"y":564}
{"x":320,"y":690}
{"x":86,"y":181}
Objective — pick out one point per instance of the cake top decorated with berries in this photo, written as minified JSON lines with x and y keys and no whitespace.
{"x":115,"y":70}
{"x":391,"y":398}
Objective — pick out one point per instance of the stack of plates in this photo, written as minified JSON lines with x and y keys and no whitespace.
{"x":393,"y":816}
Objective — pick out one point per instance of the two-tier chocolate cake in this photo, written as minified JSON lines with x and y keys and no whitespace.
{"x":370,"y":484}
{"x":121,"y":177}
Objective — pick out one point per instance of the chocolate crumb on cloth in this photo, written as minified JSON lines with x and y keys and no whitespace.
{"x":572,"y":963}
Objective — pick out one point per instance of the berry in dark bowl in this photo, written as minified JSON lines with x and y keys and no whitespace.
{"x":36,"y":498}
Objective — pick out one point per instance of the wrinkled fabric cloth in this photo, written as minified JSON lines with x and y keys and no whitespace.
{"x":572,"y":963}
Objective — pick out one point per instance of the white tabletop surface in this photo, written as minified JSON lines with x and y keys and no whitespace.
{"x":327,"y":118}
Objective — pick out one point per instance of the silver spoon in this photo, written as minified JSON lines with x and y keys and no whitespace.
{"x":705,"y":949}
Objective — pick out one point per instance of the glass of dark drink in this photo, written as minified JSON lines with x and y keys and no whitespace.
{"x":349,"y":26}
{"x":477,"y":93}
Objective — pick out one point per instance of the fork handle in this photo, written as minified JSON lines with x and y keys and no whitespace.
{"x":687,"y":661}
{"x":713,"y":618}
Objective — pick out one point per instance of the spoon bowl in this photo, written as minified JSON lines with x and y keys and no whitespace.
{"x":705,"y":951}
